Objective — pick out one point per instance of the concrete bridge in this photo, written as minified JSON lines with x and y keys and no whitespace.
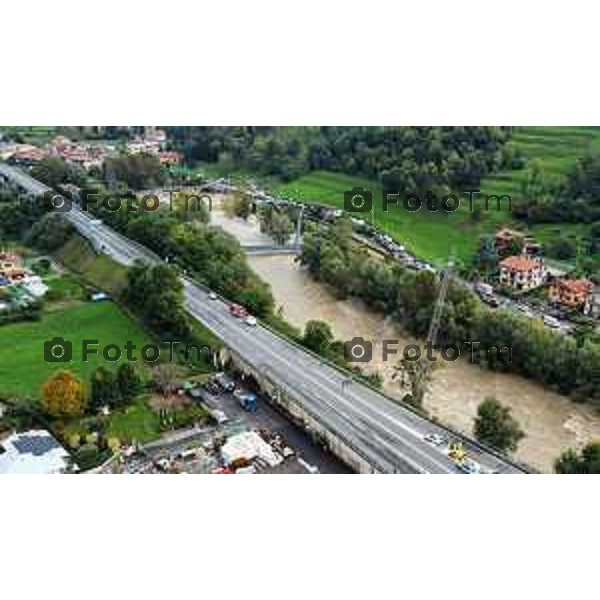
{"x":272,"y":250}
{"x":366,"y":429}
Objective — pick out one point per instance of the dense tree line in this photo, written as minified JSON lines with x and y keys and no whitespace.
{"x":207,"y":252}
{"x":114,"y":389}
{"x":156,"y":294}
{"x":576,"y":198}
{"x":136,"y":171}
{"x":564,"y":363}
{"x":54,"y":171}
{"x":18,"y":213}
{"x":49,"y":233}
{"x":422,"y":157}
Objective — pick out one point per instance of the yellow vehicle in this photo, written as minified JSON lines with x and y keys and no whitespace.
{"x":456,"y":451}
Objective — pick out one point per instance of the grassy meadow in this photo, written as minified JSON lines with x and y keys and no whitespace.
{"x":22,"y":365}
{"x":434,"y":235}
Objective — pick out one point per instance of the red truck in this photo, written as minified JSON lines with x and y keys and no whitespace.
{"x":237,"y":310}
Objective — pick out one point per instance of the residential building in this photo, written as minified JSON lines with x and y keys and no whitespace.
{"x":33,"y":452}
{"x":10,"y":267}
{"x":569,"y":292}
{"x":522,"y":273}
{"x":155,"y":136}
{"x":505,"y":238}
{"x":27,"y":154}
{"x":592,"y":302}
{"x":34,"y":286}
{"x":169,"y":158}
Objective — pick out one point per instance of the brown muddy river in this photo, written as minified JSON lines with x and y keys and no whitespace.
{"x":552,"y":422}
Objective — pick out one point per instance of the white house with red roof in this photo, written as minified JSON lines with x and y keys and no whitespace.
{"x":522,"y":273}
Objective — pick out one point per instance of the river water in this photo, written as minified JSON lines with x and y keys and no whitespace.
{"x":551,"y":421}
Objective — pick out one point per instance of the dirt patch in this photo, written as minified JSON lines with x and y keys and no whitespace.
{"x":159,"y":402}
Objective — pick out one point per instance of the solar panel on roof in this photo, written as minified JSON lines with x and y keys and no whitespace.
{"x":35,"y":444}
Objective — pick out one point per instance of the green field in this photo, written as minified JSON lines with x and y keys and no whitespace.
{"x":433,"y":236}
{"x":22,"y":365}
{"x":136,"y":422}
{"x":32,"y":134}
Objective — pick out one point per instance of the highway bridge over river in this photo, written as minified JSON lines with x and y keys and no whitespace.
{"x":368,"y":430}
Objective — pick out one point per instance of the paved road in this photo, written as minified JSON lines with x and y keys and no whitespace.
{"x":388,"y":435}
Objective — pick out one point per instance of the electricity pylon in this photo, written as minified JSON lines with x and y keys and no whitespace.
{"x":420,"y":371}
{"x":438,"y":309}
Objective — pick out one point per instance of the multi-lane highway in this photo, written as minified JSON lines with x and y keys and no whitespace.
{"x":390,"y":437}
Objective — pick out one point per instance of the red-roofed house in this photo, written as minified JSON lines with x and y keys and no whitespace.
{"x":169,"y":158}
{"x":522,"y":273}
{"x":570,"y":292}
{"x":505,"y":238}
{"x":27,"y":154}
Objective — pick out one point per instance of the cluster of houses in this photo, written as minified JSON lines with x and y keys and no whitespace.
{"x":154,"y":142}
{"x":18,"y":285}
{"x":89,"y":154}
{"x":85,"y":154}
{"x":527,"y":271}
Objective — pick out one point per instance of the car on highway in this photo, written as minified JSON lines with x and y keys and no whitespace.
{"x":525,"y":310}
{"x":237,"y":310}
{"x":212,"y":296}
{"x":436,"y":439}
{"x":490,"y":300}
{"x":469,"y":466}
{"x":483,"y":289}
{"x":551,"y":322}
{"x":250,"y":320}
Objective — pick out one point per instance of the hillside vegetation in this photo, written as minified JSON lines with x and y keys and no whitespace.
{"x":434,"y":235}
{"x":97,"y":269}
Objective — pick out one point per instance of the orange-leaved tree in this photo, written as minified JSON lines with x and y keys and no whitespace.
{"x":63,"y":395}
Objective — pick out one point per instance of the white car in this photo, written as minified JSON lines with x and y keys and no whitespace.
{"x":466,"y":465}
{"x":219,"y":416}
{"x":250,"y":320}
{"x":212,"y":296}
{"x":435,"y":438}
{"x":525,"y":310}
{"x":551,"y":322}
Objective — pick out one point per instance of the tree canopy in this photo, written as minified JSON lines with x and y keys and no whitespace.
{"x":496,"y":427}
{"x":63,"y":395}
{"x":421,"y":157}
{"x":585,"y":462}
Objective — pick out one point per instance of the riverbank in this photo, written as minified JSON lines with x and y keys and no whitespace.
{"x":551,"y":421}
